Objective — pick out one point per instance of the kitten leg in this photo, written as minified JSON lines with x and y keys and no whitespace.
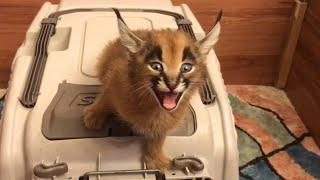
{"x":154,"y":156}
{"x":95,"y":114}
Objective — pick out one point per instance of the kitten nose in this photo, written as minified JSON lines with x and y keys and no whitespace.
{"x":172,"y":85}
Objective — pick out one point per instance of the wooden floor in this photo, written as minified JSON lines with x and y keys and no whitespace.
{"x":252,"y":34}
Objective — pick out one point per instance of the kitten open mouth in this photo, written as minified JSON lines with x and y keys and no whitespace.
{"x":168,"y":100}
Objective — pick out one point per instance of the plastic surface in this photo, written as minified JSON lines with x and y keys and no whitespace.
{"x":63,"y":117}
{"x":23,"y":146}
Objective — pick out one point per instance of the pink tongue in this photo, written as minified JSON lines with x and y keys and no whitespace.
{"x":169,"y":100}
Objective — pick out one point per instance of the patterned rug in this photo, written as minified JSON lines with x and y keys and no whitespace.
{"x":272,"y":140}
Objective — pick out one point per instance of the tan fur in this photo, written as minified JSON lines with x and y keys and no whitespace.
{"x":126,"y":90}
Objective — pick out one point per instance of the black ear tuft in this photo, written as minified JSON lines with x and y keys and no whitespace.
{"x":212,"y":37}
{"x":118,"y":15}
{"x":219,"y":17}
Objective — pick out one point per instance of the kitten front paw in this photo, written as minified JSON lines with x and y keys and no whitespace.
{"x":162,"y":162}
{"x":92,"y":120}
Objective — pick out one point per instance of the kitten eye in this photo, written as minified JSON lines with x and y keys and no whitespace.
{"x":186,"y":67}
{"x":156,"y":66}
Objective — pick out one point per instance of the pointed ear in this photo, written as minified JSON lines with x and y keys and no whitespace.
{"x":128,"y":38}
{"x":206,"y":43}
